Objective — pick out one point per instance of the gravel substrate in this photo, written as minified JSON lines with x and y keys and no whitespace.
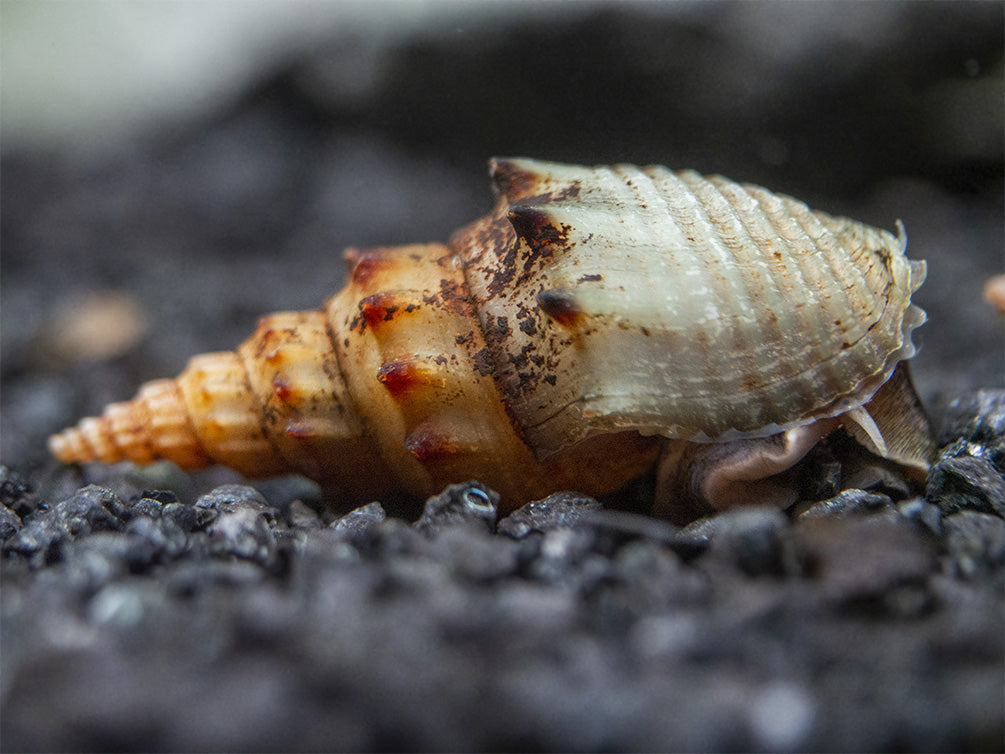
{"x":157,"y":624}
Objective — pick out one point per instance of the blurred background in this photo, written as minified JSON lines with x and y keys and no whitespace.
{"x":169,"y":171}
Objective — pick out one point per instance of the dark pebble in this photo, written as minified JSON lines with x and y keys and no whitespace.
{"x":187,"y":517}
{"x":852,"y":502}
{"x":561,"y":509}
{"x":919,"y":509}
{"x":877,"y":479}
{"x":613,"y":528}
{"x":147,"y":507}
{"x":195,"y":576}
{"x":469,"y":504}
{"x":16,"y":492}
{"x":167,"y":538}
{"x":476,"y":555}
{"x":302,"y":516}
{"x":355,"y":524}
{"x":757,"y":541}
{"x":229,"y":498}
{"x":977,"y":417}
{"x":656,"y":577}
{"x":92,"y":509}
{"x":10,"y":523}
{"x":564,"y":556}
{"x":975,"y":541}
{"x":164,"y":497}
{"x":243,"y":531}
{"x":967,"y":483}
{"x":860,"y":560}
{"x":123,"y":551}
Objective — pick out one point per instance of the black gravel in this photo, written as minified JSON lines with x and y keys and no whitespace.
{"x":223,"y":623}
{"x":158,"y":611}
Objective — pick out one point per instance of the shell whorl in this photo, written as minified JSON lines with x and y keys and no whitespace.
{"x":671,"y":303}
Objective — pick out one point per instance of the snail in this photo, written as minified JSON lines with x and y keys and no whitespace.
{"x":599,"y":324}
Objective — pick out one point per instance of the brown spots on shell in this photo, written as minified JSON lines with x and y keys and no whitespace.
{"x":483,"y":363}
{"x":503,"y":275}
{"x":590,"y":279}
{"x":283,"y":389}
{"x":510,"y":180}
{"x":538,"y":227}
{"x":562,"y":307}
{"x":270,"y":341}
{"x":454,"y":297}
{"x":404,"y":375}
{"x":429,"y":444}
{"x":380,"y":308}
{"x":366,"y":265}
{"x":498,"y":328}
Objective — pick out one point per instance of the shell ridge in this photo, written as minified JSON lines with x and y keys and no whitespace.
{"x":258,"y":408}
{"x":727,"y":218}
{"x":198,"y":454}
{"x":496,"y":355}
{"x":849,"y":289}
{"x":727,"y":199}
{"x":825,"y":289}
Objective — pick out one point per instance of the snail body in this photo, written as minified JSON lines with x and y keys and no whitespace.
{"x":596,"y":321}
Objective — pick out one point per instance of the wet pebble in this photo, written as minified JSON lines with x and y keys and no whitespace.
{"x":862,"y":560}
{"x":926,"y":513}
{"x":475,"y":555}
{"x":187,"y":517}
{"x":755,"y":540}
{"x":975,"y":541}
{"x":559,"y":510}
{"x":977,"y":417}
{"x":469,"y":504}
{"x":229,"y":498}
{"x":243,"y":532}
{"x":92,"y":509}
{"x":967,"y":483}
{"x":360,"y":526}
{"x":10,"y":523}
{"x":851,"y":502}
{"x":16,"y":492}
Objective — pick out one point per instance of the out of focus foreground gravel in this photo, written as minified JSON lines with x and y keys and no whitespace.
{"x":153,"y":610}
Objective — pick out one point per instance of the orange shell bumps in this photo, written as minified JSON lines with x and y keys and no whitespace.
{"x":566,"y":340}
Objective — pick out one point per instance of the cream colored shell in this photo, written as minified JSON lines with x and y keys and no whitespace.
{"x":553,"y":344}
{"x":691,"y":307}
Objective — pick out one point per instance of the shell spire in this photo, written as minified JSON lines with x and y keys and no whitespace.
{"x":154,"y":425}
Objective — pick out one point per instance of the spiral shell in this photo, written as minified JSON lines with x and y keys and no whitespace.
{"x":555,"y":343}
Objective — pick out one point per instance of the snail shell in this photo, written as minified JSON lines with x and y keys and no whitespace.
{"x":555,"y":343}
